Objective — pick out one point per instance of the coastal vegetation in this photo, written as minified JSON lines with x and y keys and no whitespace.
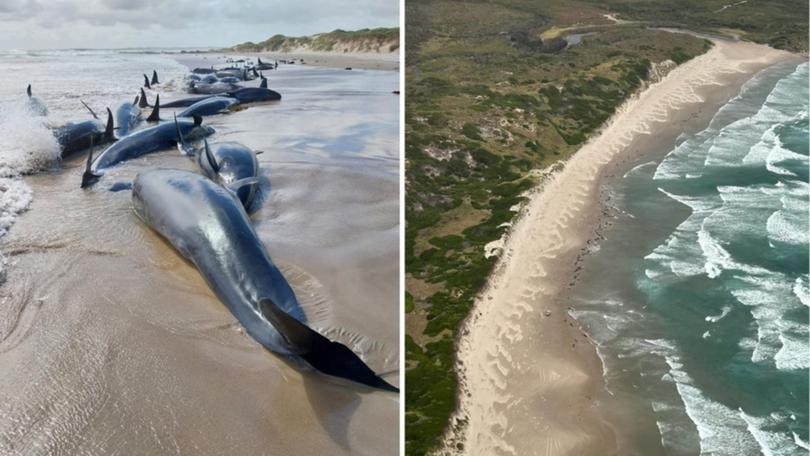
{"x":495,"y":95}
{"x":365,"y":40}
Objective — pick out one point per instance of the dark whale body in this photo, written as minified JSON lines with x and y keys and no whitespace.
{"x":185,"y":102}
{"x":228,"y":163}
{"x":142,"y":142}
{"x":127,"y":116}
{"x":77,"y":136}
{"x":209,"y":227}
{"x":208,"y":106}
{"x":254,"y":94}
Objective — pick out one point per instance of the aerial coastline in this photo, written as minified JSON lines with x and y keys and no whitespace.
{"x":519,"y":330}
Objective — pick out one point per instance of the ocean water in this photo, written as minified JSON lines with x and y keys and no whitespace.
{"x":698,"y":297}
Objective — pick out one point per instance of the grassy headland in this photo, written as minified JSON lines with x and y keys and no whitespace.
{"x":381,"y":40}
{"x":494,"y":92}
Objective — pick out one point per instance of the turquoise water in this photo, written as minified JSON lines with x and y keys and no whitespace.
{"x":698,"y":297}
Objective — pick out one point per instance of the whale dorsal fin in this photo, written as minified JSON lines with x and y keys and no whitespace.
{"x":263,"y":85}
{"x":92,"y":113}
{"x":155,"y":77}
{"x":28,"y":90}
{"x":143,"y":102}
{"x":146,"y":82}
{"x":155,"y":116}
{"x":255,"y":73}
{"x":212,"y":161}
{"x":108,"y":132}
{"x":260,"y":60}
{"x":331,"y":358}
{"x":135,"y":102}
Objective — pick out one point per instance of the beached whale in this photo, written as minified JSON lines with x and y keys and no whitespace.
{"x":75,"y":136}
{"x":186,"y":102}
{"x":208,"y":226}
{"x":231,"y":164}
{"x":212,"y":89}
{"x":203,"y":70}
{"x":141,"y":142}
{"x":34,"y":105}
{"x":209,"y":106}
{"x":265,"y":66}
{"x":255,"y":94}
{"x":127,"y":116}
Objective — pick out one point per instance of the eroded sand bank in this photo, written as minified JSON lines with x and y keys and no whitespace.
{"x":529,"y":376}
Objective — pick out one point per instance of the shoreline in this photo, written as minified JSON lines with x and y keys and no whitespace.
{"x":354,"y":60}
{"x":548,"y":379}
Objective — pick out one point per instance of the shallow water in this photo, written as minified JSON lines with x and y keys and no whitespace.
{"x":111,"y":342}
{"x":698,"y":297}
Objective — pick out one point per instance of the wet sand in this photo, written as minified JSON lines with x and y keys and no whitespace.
{"x":531,"y":381}
{"x":111,"y":343}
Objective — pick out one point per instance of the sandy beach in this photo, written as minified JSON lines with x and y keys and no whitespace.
{"x":112,"y":343}
{"x":354,"y":60}
{"x":530,"y":380}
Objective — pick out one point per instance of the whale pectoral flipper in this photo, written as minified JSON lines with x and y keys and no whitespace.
{"x":210,"y":157}
{"x":182,"y":146}
{"x":236,"y":185}
{"x":331,"y":358}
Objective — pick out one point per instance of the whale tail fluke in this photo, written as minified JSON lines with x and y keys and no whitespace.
{"x":89,"y":178}
{"x":146,"y":82}
{"x":155,"y":77}
{"x":28,"y":90}
{"x":155,"y":116}
{"x":331,"y":358}
{"x":143,"y":102}
{"x":109,"y":132}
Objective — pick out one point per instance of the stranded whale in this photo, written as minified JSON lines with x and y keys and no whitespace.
{"x":76,"y":136}
{"x":142,"y":142}
{"x":233,"y":166}
{"x":209,"y":106}
{"x":208,"y":226}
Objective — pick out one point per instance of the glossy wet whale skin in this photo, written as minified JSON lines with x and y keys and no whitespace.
{"x":208,"y":226}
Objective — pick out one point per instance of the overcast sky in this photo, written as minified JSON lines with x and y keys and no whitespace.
{"x":38,"y":24}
